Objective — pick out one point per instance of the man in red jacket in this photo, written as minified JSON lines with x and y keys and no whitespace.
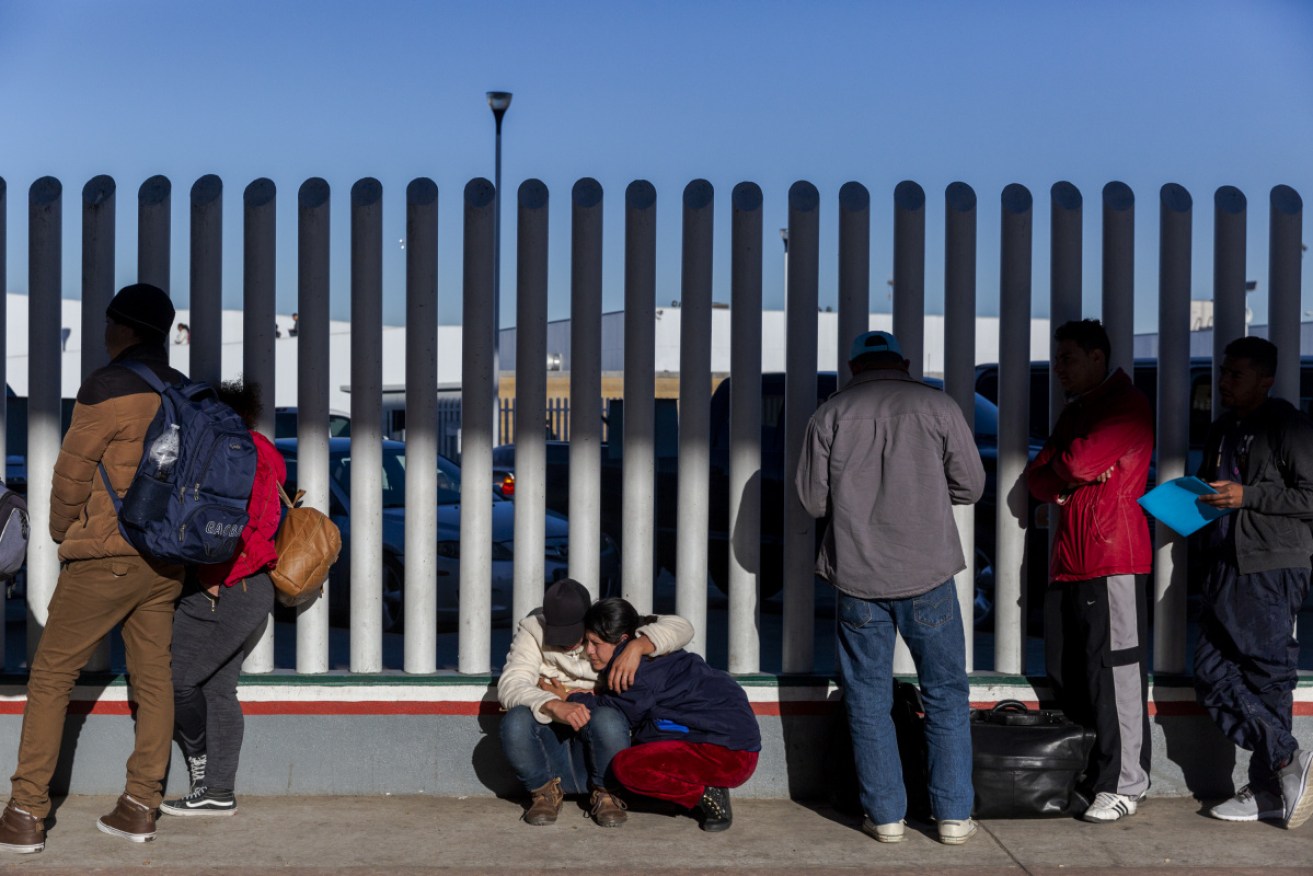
{"x":1094,"y":468}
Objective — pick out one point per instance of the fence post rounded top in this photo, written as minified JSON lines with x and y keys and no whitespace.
{"x":44,"y":191}
{"x":421,"y":192}
{"x":1066,"y":196}
{"x":746,"y":197}
{"x":803,"y":197}
{"x":854,"y":198}
{"x":155,"y":190}
{"x":1229,"y":199}
{"x":533,"y":194}
{"x":909,"y":196}
{"x":640,"y":195}
{"x":587,"y":192}
{"x":1175,"y":198}
{"x":313,"y":193}
{"x":260,"y":192}
{"x":2,"y":186}
{"x":1016,"y":198}
{"x":366,"y":192}
{"x":206,"y":190}
{"x":1284,"y":199}
{"x":479,"y":192}
{"x":699,"y":194}
{"x":98,"y":190}
{"x":960,"y":197}
{"x":1118,"y":196}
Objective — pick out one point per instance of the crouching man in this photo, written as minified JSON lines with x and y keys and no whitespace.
{"x":558,"y":747}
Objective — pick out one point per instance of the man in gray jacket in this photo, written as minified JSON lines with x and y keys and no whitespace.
{"x":885,"y":459}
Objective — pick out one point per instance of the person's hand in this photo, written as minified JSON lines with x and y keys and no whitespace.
{"x":624,"y":667}
{"x":1229,"y":495}
{"x":1103,"y":478}
{"x":554,"y":687}
{"x":574,"y":714}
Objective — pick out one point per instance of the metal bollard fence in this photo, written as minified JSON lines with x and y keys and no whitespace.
{"x":586,"y":382}
{"x":638,"y":499}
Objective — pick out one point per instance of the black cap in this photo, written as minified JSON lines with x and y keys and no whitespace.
{"x":564,"y":607}
{"x":145,"y":308}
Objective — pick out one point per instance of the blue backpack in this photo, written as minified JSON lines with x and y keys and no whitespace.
{"x":194,"y":510}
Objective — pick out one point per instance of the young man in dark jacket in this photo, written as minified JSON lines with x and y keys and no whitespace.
{"x":1259,"y":458}
{"x":1094,"y":468}
{"x":103,"y":582}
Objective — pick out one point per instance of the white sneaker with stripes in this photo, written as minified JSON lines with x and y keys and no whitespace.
{"x":1108,"y":806}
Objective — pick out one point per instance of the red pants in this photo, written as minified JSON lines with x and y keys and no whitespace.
{"x":681,"y":771}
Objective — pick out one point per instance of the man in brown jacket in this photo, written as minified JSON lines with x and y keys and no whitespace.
{"x":103,"y":582}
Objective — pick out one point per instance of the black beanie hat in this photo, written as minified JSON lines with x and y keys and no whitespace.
{"x":145,"y":308}
{"x":564,"y":606}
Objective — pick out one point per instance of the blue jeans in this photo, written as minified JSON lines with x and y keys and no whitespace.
{"x":931,"y":625}
{"x":541,"y":752}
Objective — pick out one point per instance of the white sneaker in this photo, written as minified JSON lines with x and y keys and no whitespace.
{"x":954,"y":832}
{"x":1295,"y":790}
{"x":1108,"y":806}
{"x":1249,"y":805}
{"x":885,"y":833}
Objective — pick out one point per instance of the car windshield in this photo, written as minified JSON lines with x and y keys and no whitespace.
{"x":393,"y":474}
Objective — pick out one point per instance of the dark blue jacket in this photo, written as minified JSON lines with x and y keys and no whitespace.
{"x":679,"y":696}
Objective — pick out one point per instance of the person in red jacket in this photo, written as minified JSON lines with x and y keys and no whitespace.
{"x":1094,"y":468}
{"x":220,"y":608}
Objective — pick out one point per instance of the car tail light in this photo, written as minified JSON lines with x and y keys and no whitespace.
{"x":508,"y":486}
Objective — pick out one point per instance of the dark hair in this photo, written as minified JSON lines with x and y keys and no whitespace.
{"x":244,"y":397}
{"x":612,"y":619}
{"x":1263,"y":353}
{"x":1088,"y":334}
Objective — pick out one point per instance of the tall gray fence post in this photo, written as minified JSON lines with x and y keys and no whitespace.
{"x":638,"y":496}
{"x":1230,"y":213}
{"x":98,"y":209}
{"x":154,"y":231}
{"x":1173,"y":420}
{"x":960,"y":368}
{"x":909,"y":280}
{"x":1010,"y":567}
{"x":909,"y":314}
{"x":421,"y":572}
{"x":367,"y":430}
{"x":206,"y":279}
{"x":477,"y":380}
{"x":312,"y":274}
{"x":586,"y":383}
{"x":693,"y":520}
{"x":854,"y":272}
{"x":44,"y":286}
{"x":1119,"y":274}
{"x":1285,"y":253}
{"x":799,"y":404}
{"x":531,"y":397}
{"x":1065,"y":253}
{"x":745,"y":430}
{"x":259,"y":290}
{"x":4,"y":328}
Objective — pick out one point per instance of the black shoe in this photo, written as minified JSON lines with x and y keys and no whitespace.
{"x":202,"y":801}
{"x":716,"y":812}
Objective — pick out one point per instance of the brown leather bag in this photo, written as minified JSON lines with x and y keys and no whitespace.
{"x":308,"y":544}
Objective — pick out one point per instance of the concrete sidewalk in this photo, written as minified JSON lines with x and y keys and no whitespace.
{"x":300,"y":836}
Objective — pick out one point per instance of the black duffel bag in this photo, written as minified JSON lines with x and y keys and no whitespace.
{"x":1026,"y":763}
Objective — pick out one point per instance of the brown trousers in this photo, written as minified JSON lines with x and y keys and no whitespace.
{"x":91,"y":598}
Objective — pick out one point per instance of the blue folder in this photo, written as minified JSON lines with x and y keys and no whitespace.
{"x":1176,"y":503}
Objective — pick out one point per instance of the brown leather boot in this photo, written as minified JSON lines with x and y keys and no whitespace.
{"x":546,"y":804}
{"x":21,"y":831}
{"x":608,"y":810}
{"x":131,"y":819}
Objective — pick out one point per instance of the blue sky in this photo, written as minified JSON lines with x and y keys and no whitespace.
{"x":1203,"y":94}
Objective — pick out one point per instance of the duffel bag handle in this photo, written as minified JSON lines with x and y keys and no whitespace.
{"x":1010,"y":707}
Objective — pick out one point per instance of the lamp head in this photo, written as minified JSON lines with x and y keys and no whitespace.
{"x":499,"y":102}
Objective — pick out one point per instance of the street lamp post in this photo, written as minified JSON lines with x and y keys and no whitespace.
{"x":498,"y":102}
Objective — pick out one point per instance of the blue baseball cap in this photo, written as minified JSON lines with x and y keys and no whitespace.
{"x":873,"y":342}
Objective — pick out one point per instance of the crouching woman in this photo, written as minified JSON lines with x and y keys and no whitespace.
{"x":694,"y":732}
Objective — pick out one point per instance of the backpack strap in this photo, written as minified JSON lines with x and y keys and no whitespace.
{"x":109,"y":488}
{"x":144,"y":372}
